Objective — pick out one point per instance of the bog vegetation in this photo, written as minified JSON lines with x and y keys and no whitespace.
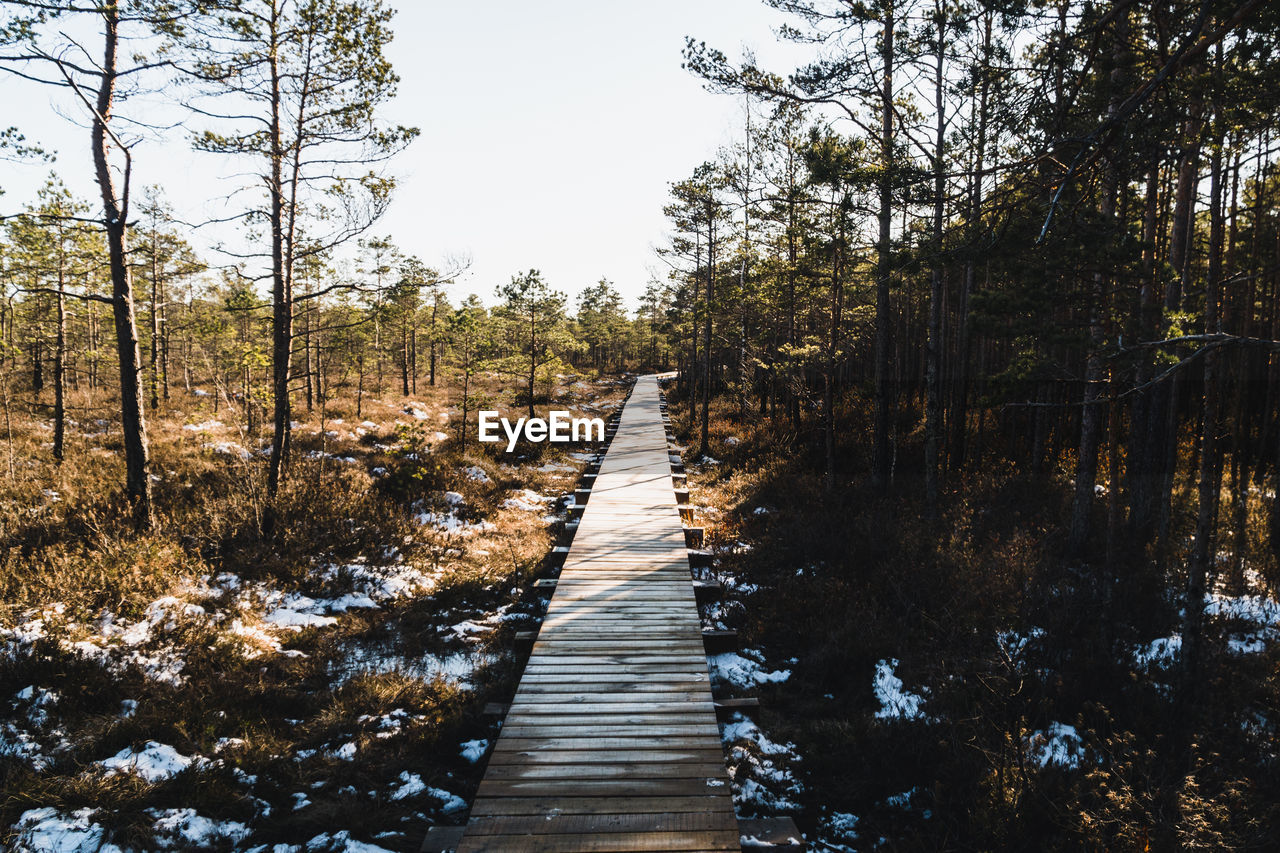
{"x":976,"y":328}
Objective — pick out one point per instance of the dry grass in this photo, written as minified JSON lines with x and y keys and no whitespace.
{"x":260,"y":713}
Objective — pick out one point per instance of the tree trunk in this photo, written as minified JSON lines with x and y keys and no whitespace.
{"x":404,"y":356}
{"x":1092,"y":413}
{"x":1204,"y":551}
{"x":116,"y":209}
{"x":281,"y":295}
{"x":706,"y":340}
{"x":933,"y":344}
{"x":60,"y":362}
{"x":881,"y":456}
{"x":155,"y":318}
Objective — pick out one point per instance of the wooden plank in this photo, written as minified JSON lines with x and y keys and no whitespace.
{"x":641,"y":740}
{"x":625,"y":787}
{"x":576,"y":824}
{"x":624,"y":705}
{"x":664,"y":683}
{"x":542,"y":806}
{"x":524,"y":730}
{"x":523,"y":719}
{"x":620,"y":842}
{"x":633,"y":759}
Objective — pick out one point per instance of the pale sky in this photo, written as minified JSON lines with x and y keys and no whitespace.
{"x":550,"y":132}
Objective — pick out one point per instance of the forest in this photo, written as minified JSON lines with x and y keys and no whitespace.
{"x":973,"y":337}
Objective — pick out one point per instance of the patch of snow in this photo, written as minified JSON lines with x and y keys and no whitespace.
{"x":206,"y":426}
{"x":341,"y":842}
{"x":762,"y":778}
{"x":733,"y":668}
{"x":840,"y":827}
{"x":1059,"y":744}
{"x":411,"y":785}
{"x":901,"y":801}
{"x":450,"y":524}
{"x":1160,"y":653}
{"x":227,"y":448}
{"x":185,"y":828}
{"x":295,"y":611}
{"x":527,"y":500}
{"x":475,"y":472}
{"x":449,"y":803}
{"x":895,"y":703}
{"x":155,"y":762}
{"x":48,"y":830}
{"x":474,"y":750}
{"x":1258,"y":609}
{"x":1247,"y":644}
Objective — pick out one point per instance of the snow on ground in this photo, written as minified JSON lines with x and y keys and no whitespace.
{"x":744,"y":669}
{"x":34,"y":737}
{"x":206,"y":426}
{"x":47,"y":830}
{"x":761,"y":769}
{"x":1159,"y":653}
{"x":474,"y":750}
{"x":185,"y":829}
{"x":1258,"y":615}
{"x":895,"y":703}
{"x":411,"y":785}
{"x":475,"y":472}
{"x":338,"y":842}
{"x":253,"y":616}
{"x":527,"y":500}
{"x":1059,"y":745}
{"x":456,"y":668}
{"x":450,"y":524}
{"x":226,"y":448}
{"x":154,"y":762}
{"x":837,"y":830}
{"x":1261,"y":615}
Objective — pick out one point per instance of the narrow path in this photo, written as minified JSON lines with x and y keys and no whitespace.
{"x":611,"y":743}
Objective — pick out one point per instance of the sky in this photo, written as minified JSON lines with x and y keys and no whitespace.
{"x":550,"y":133}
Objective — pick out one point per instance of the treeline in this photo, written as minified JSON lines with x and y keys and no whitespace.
{"x":378,"y":323}
{"x":110,"y":293}
{"x":1043,"y":234}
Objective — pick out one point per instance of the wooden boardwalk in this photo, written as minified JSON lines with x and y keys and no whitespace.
{"x":611,"y":743}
